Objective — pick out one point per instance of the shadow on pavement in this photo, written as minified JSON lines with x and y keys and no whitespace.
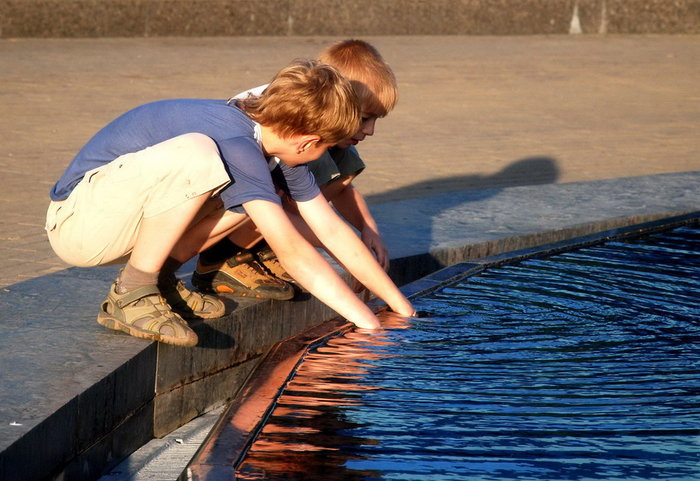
{"x":528,"y":171}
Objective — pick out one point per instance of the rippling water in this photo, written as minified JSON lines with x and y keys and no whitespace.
{"x":581,"y":366}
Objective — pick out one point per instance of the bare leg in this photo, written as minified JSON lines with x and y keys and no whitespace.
{"x":141,"y":311}
{"x":245,"y":235}
{"x":159,"y":234}
{"x":210,"y":226}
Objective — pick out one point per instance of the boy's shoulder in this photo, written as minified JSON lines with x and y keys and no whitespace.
{"x":171,"y":113}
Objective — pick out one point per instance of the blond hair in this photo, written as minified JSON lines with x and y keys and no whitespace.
{"x":307,"y":97}
{"x":369,"y":74}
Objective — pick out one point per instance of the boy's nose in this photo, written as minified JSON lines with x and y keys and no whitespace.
{"x":368,"y":127}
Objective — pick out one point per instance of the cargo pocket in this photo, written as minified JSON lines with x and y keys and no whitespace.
{"x":58,"y":212}
{"x":51,"y":215}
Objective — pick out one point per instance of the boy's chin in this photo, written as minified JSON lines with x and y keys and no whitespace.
{"x":344,"y":144}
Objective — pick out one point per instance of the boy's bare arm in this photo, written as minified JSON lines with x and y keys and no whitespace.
{"x":353,"y":207}
{"x":349,"y":250}
{"x":306,"y":265}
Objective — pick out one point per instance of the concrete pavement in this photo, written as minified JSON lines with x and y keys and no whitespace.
{"x":498,"y":143}
{"x":474,"y":113}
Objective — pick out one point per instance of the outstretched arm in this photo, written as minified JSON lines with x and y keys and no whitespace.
{"x":306,"y":265}
{"x":340,"y":240}
{"x":353,"y":207}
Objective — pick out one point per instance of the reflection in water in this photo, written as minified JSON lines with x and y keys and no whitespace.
{"x":310,"y":426}
{"x":584,"y":365}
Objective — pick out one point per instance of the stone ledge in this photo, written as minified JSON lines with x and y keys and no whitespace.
{"x":225,"y":447}
{"x":152,"y":18}
{"x":76,"y":398}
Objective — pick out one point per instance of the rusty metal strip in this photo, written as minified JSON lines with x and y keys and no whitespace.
{"x":235,"y":430}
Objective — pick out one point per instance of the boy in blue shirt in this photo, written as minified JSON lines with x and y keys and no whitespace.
{"x":243,"y":266}
{"x":168,"y":179}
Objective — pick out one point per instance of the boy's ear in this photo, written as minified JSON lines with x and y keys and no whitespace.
{"x":306,"y":142}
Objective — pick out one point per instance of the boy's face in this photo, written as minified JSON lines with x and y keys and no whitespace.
{"x":366,"y":128}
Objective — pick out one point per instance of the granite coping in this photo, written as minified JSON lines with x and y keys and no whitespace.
{"x":470,"y":217}
{"x":76,"y":398}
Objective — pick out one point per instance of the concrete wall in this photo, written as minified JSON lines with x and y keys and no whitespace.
{"x":127,"y":18}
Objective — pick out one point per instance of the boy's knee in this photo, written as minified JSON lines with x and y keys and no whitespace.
{"x":180,"y":169}
{"x":198,"y":146}
{"x":196,"y":152}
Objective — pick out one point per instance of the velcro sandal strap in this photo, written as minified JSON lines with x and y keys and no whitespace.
{"x":135,"y":295}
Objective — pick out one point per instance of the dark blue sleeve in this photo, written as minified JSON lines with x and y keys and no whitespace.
{"x":249,"y":173}
{"x":300,"y":182}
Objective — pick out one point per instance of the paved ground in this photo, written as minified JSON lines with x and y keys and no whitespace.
{"x":475,"y":112}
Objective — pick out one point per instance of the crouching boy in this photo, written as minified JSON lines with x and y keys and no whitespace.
{"x":244,"y":266}
{"x":168,"y":179}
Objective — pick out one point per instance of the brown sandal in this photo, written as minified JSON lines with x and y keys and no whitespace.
{"x":269,"y":259}
{"x":144,"y":313}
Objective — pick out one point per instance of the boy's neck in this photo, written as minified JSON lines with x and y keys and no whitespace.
{"x":271,"y":143}
{"x":294,"y":150}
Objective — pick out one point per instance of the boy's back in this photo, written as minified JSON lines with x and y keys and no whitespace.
{"x":235,"y":134}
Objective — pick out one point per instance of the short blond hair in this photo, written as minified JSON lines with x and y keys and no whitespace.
{"x":307,"y":97}
{"x":365,"y":68}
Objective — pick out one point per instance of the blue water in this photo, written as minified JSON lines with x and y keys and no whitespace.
{"x":581,"y":366}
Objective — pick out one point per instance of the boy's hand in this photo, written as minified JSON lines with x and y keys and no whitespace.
{"x":375,"y":244}
{"x":405,"y":309}
{"x":392,"y":320}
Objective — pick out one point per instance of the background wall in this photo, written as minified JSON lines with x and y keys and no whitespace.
{"x":128,"y":18}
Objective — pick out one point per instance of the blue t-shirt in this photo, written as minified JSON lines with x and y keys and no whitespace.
{"x":230,"y":128}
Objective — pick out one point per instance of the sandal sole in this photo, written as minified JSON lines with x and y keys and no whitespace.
{"x":117,"y":325}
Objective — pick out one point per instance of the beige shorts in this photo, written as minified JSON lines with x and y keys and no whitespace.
{"x":98,"y":223}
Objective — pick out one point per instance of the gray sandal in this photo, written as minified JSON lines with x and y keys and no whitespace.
{"x":192,"y":304}
{"x":144,"y":313}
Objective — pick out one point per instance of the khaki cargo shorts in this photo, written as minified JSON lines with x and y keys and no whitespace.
{"x":98,"y":223}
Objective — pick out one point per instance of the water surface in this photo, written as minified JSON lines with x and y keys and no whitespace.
{"x":581,"y":366}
